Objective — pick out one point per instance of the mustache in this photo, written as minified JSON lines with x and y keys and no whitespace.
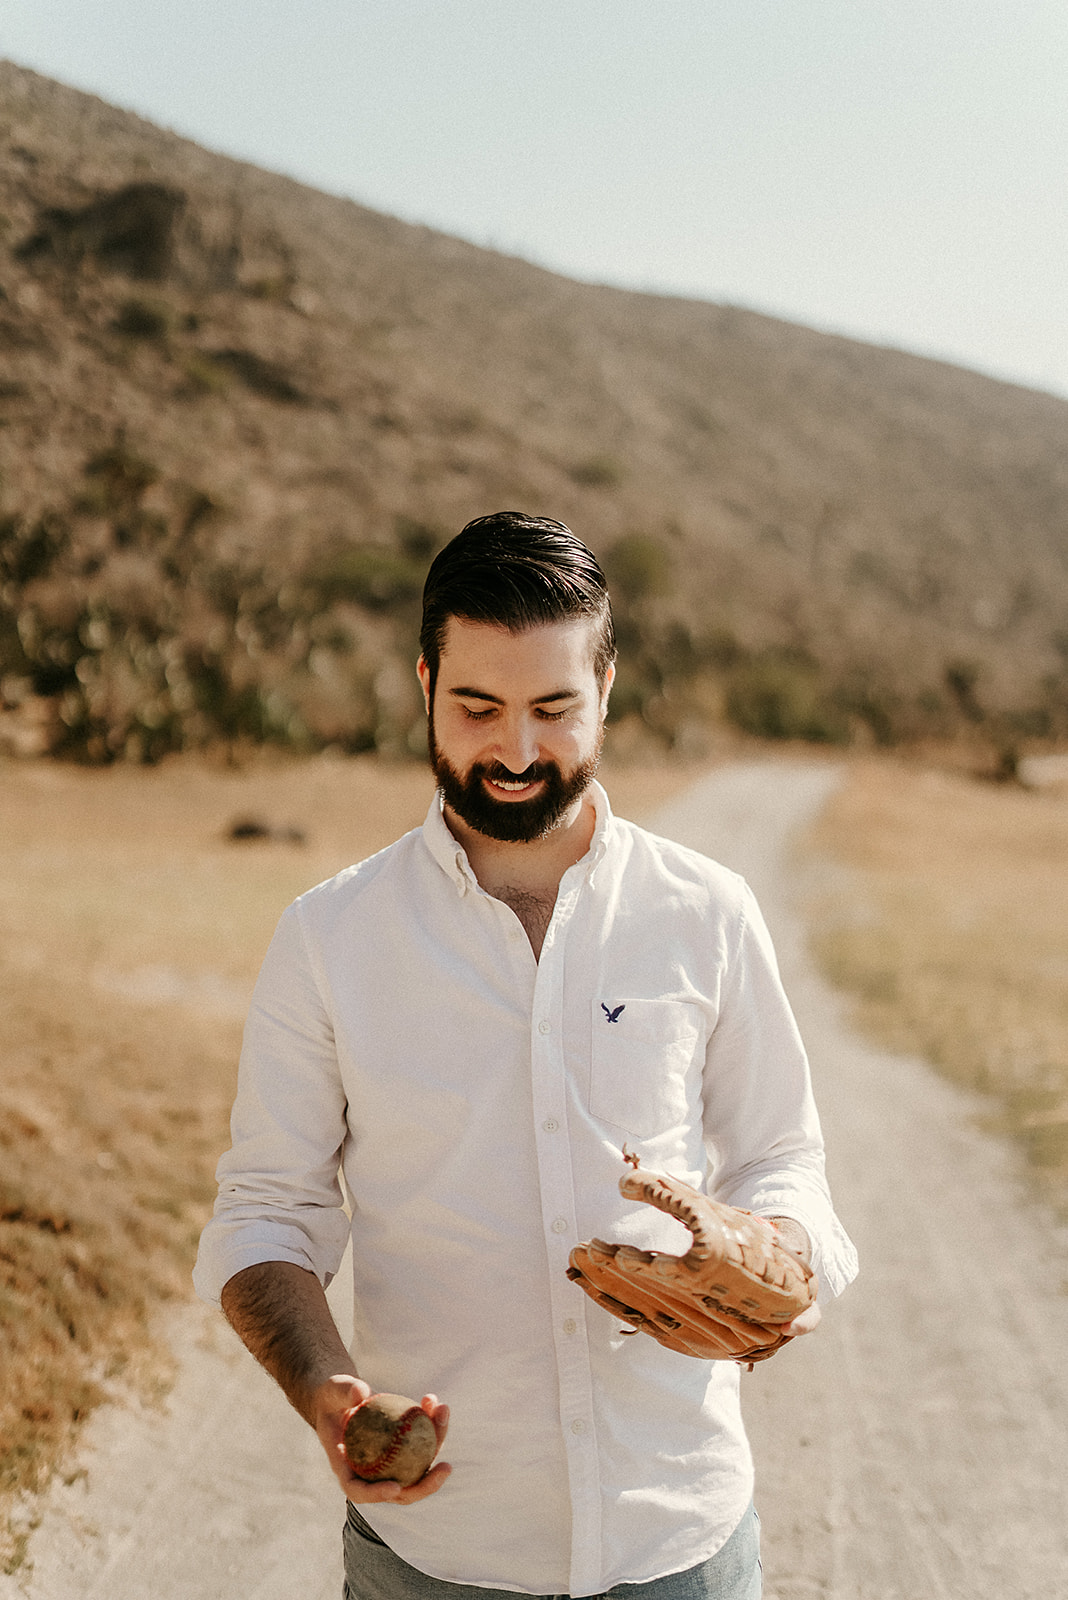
{"x":502,"y":774}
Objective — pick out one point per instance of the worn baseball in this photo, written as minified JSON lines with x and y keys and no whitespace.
{"x":390,"y":1437}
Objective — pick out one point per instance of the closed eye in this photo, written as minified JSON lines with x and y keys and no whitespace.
{"x":478,"y":716}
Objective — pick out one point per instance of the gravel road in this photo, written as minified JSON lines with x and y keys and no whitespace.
{"x":916,"y":1448}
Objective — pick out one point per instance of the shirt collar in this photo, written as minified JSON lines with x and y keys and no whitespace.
{"x":451,"y":856}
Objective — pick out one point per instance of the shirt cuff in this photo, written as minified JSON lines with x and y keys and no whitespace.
{"x":228,"y":1248}
{"x":834,"y":1257}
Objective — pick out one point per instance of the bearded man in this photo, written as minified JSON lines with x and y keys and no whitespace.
{"x":466,"y":1028}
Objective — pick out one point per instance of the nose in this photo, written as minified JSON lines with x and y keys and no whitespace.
{"x":518,"y":746}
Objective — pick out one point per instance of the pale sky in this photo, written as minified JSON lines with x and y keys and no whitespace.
{"x":896,"y":170}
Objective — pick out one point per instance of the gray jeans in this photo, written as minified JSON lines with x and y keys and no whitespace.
{"x":373,"y":1572}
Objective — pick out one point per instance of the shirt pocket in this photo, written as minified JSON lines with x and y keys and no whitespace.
{"x":642,"y":1062}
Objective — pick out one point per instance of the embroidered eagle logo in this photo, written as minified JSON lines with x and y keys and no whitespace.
{"x":613,"y":1016}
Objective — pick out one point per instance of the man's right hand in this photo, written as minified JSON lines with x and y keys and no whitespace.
{"x":280,"y":1313}
{"x":330,"y":1405}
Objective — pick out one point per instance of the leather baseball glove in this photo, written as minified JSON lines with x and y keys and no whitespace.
{"x":727,"y":1299}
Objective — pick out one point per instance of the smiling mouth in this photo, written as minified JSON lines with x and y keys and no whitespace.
{"x":513,"y":785}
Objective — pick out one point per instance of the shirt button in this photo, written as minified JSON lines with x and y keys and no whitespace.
{"x":570,"y":1325}
{"x":560,"y":1225}
{"x":550,"y":1125}
{"x":544,"y":1027}
{"x":578,"y":1426}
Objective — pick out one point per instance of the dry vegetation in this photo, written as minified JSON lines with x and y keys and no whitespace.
{"x":237,"y":415}
{"x":131,"y":929}
{"x":949,"y":926}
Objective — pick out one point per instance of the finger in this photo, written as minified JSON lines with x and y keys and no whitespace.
{"x":438,"y":1414}
{"x":430,"y":1484}
{"x":805,"y":1322}
{"x":344,"y":1393}
{"x":363,"y":1493}
{"x":388,"y":1492}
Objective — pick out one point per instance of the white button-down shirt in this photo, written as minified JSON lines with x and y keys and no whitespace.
{"x":477,"y":1100}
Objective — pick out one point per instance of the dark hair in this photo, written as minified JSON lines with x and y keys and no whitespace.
{"x":515,"y":571}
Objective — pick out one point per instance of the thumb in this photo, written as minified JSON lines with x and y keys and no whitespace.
{"x":805,"y":1323}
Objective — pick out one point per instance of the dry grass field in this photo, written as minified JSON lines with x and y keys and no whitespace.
{"x":131,"y":929}
{"x":948,"y":923}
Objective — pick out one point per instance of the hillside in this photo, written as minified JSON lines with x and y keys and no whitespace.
{"x":237,"y":415}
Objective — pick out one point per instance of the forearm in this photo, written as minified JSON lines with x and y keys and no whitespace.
{"x":280,"y":1313}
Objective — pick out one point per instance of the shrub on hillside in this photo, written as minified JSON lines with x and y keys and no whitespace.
{"x":778,"y":695}
{"x":638,"y":567}
{"x":598,"y":472}
{"x":143,"y":319}
{"x":367,"y":575}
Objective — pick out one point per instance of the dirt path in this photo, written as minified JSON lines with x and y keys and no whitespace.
{"x":915,"y":1449}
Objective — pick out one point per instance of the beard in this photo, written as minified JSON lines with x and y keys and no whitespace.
{"x":513,"y":821}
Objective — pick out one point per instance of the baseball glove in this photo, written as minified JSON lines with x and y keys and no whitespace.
{"x":727,"y":1299}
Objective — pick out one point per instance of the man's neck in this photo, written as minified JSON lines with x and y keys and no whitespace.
{"x":526,"y":877}
{"x":535,"y":867}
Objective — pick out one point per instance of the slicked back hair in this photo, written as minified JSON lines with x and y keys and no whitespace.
{"x":516,"y":572}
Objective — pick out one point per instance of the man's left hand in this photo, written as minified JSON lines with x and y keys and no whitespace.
{"x":795,"y":1238}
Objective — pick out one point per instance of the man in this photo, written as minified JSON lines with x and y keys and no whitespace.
{"x":472,"y":1023}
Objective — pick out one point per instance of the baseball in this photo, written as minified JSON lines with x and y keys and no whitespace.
{"x":390,"y":1437}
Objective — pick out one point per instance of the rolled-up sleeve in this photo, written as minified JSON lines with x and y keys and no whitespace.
{"x":280,"y":1196}
{"x":762,"y":1130}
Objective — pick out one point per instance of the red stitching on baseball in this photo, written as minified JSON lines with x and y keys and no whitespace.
{"x":376,"y":1468}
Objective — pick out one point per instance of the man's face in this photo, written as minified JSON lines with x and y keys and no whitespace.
{"x":516,"y":725}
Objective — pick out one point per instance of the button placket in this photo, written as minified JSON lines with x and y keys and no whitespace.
{"x":549,"y":1094}
{"x":557,"y":1183}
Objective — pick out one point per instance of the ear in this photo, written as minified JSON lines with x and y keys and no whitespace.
{"x":424,"y":678}
{"x":609,"y":680}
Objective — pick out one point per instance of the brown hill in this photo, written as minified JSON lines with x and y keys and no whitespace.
{"x":237,"y":414}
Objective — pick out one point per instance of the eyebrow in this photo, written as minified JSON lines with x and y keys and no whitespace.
{"x":463,"y":693}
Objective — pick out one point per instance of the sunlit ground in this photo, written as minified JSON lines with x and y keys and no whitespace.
{"x":949,"y":926}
